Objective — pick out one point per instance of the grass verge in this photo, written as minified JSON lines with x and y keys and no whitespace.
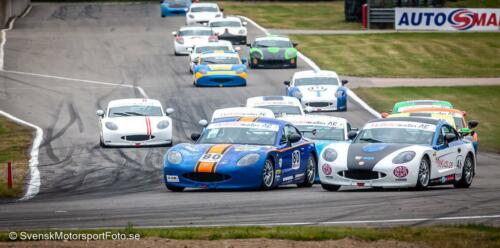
{"x":480,"y":102}
{"x":406,"y":54}
{"x":433,"y":236}
{"x":15,"y":141}
{"x":293,"y":15}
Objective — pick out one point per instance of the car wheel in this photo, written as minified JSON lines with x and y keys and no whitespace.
{"x":330,"y":187}
{"x":424,"y":174}
{"x":310,"y":172}
{"x":175,"y":188}
{"x":176,"y":53}
{"x":268,"y":175}
{"x":101,"y":143}
{"x":467,"y":174}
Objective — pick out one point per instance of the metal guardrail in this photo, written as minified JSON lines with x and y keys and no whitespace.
{"x":380,"y":16}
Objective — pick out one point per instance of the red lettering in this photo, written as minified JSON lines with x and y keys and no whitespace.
{"x":479,"y":20}
{"x":492,"y":20}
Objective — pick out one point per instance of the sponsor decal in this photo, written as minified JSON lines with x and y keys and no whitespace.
{"x":278,"y":172}
{"x":400,"y":171}
{"x":449,"y":19}
{"x":401,"y":124}
{"x":443,"y":180}
{"x":317,"y":89}
{"x":358,"y":157}
{"x":256,"y":125}
{"x":401,"y":180}
{"x":172,"y":178}
{"x":246,"y":148}
{"x":296,"y":159}
{"x":361,"y":163}
{"x":231,"y":113}
{"x":327,"y":169}
{"x":289,"y":178}
{"x":301,"y":175}
{"x":444,"y":164}
{"x":280,"y":162}
{"x":329,"y":177}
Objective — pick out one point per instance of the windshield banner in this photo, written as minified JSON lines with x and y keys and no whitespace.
{"x":257,"y":125}
{"x":401,"y":124}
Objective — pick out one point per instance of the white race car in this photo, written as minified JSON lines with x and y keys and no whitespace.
{"x":400,"y":152}
{"x":242,"y":112}
{"x":320,"y":90}
{"x":230,"y":28}
{"x":188,"y":37}
{"x":221,"y":45}
{"x":203,"y":13}
{"x":280,"y":105}
{"x":135,"y":122}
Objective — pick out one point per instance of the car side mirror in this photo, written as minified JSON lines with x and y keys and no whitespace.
{"x":449,"y":137}
{"x":195,"y":136}
{"x":203,"y":123}
{"x":352,"y":135}
{"x":169,"y":111}
{"x":344,"y":82}
{"x":100,"y":113}
{"x":294,"y":138}
{"x":473,"y":123}
{"x":295,"y":44}
{"x":221,"y":9}
{"x":174,"y":33}
{"x":244,"y":23}
{"x":308,"y":109}
{"x":287,"y":83}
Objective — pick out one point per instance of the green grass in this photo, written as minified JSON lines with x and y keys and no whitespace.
{"x":474,"y":4}
{"x":406,"y":54}
{"x":480,"y":102}
{"x":293,"y":15}
{"x":15,"y":141}
{"x":435,"y":236}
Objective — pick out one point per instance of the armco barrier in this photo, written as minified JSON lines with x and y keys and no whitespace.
{"x":10,"y":9}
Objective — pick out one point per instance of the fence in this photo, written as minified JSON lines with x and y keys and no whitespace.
{"x":10,"y":9}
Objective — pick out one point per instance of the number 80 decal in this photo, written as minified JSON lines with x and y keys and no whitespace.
{"x":211,"y":157}
{"x":296,"y":159}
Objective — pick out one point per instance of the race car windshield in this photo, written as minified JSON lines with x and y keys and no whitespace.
{"x":135,"y":111}
{"x":280,"y":110}
{"x":178,"y":2}
{"x":211,"y":48}
{"x":459,"y":124}
{"x":196,"y":32}
{"x":395,"y":135}
{"x":321,"y":132}
{"x":240,"y":135}
{"x":316,"y":81}
{"x":203,"y":9}
{"x":272,"y":43}
{"x":220,"y":60}
{"x":225,"y":24}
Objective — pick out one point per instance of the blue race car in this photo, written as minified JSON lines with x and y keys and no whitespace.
{"x":220,"y":69}
{"x":174,"y":7}
{"x":322,"y":129}
{"x":242,"y":153}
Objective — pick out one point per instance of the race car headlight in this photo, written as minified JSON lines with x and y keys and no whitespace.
{"x":218,"y":15}
{"x":203,"y":71}
{"x":240,"y":70}
{"x":163,"y":124}
{"x":111,"y":126}
{"x":291,"y":54}
{"x":191,"y":16}
{"x":174,"y":157}
{"x":339,"y":94}
{"x":241,"y":31}
{"x":256,"y":55}
{"x":329,"y":155}
{"x":248,"y":159}
{"x":297,"y":94}
{"x":404,"y":157}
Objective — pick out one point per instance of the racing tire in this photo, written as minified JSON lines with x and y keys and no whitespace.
{"x":310,"y":173}
{"x":176,"y":53}
{"x":268,"y":175}
{"x":175,"y":188}
{"x":101,"y":143}
{"x":424,"y":174}
{"x":467,"y":174}
{"x":330,"y":187}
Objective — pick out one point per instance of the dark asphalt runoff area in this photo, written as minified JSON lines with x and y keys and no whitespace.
{"x":85,"y":186}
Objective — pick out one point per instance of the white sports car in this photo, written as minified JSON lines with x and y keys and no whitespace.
{"x":230,"y":28}
{"x":242,"y":112}
{"x":135,"y":122}
{"x":197,"y":50}
{"x":202,"y":13}
{"x":280,"y":105}
{"x":320,"y":90}
{"x":190,"y":36}
{"x":401,"y":152}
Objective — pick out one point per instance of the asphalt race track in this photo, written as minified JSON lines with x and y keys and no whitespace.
{"x":85,"y":186}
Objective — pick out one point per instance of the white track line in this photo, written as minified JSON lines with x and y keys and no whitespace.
{"x":27,"y":11}
{"x":4,"y":39}
{"x":315,"y":67}
{"x":34,"y":182}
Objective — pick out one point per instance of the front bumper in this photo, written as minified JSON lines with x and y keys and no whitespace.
{"x":140,"y":139}
{"x":263,"y":63}
{"x":221,"y":81}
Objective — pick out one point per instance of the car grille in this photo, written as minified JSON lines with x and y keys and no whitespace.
{"x":206,"y":177}
{"x":362,"y":174}
{"x":221,"y":80}
{"x":137,"y":137}
{"x":318,"y":104}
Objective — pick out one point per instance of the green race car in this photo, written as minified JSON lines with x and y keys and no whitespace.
{"x":272,"y":52}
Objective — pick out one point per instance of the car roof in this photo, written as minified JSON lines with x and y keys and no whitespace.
{"x":204,"y":5}
{"x":320,"y":120}
{"x":214,"y":43}
{"x":219,"y":53}
{"x":314,"y":73}
{"x":433,"y":110}
{"x":410,"y":119}
{"x":252,"y":119}
{"x":134,"y":101}
{"x":272,"y":37}
{"x":195,"y":27}
{"x":227,"y":18}
{"x":273,"y":100}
